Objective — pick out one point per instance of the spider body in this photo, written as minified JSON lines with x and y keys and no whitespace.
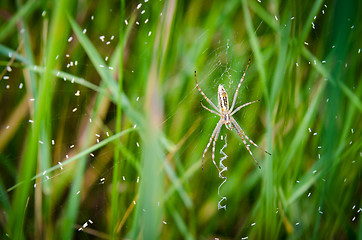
{"x":226,"y":118}
{"x":223,"y":103}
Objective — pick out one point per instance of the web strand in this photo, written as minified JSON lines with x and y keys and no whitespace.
{"x":223,"y":169}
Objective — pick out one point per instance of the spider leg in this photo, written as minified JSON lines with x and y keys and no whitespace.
{"x":237,"y":90}
{"x":203,"y":94}
{"x":238,"y":128}
{"x":213,"y":149}
{"x":246,"y":145}
{"x":217,"y":128}
{"x":244,"y":105}
{"x":210,"y":109}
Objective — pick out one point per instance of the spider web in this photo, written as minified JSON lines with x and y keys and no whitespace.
{"x":222,"y":169}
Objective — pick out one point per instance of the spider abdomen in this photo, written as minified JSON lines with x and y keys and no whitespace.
{"x":223,"y":99}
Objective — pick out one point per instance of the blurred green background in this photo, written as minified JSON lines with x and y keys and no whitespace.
{"x":102,"y":132}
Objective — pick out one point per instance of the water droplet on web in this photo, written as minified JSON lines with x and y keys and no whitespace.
{"x":319,"y":210}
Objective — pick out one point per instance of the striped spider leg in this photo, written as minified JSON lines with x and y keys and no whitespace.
{"x":226,"y":118}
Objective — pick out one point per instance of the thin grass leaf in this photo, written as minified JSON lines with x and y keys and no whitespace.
{"x":24,"y":11}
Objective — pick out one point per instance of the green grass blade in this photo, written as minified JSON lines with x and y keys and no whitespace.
{"x":96,"y":59}
{"x":115,"y":204}
{"x":25,"y":10}
{"x":42,"y":111}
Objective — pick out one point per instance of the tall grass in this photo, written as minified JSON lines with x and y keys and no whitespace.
{"x":102,"y":133}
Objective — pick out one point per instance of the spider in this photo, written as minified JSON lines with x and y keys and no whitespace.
{"x":226,"y":118}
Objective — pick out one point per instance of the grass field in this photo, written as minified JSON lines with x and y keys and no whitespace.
{"x":102,"y":132}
